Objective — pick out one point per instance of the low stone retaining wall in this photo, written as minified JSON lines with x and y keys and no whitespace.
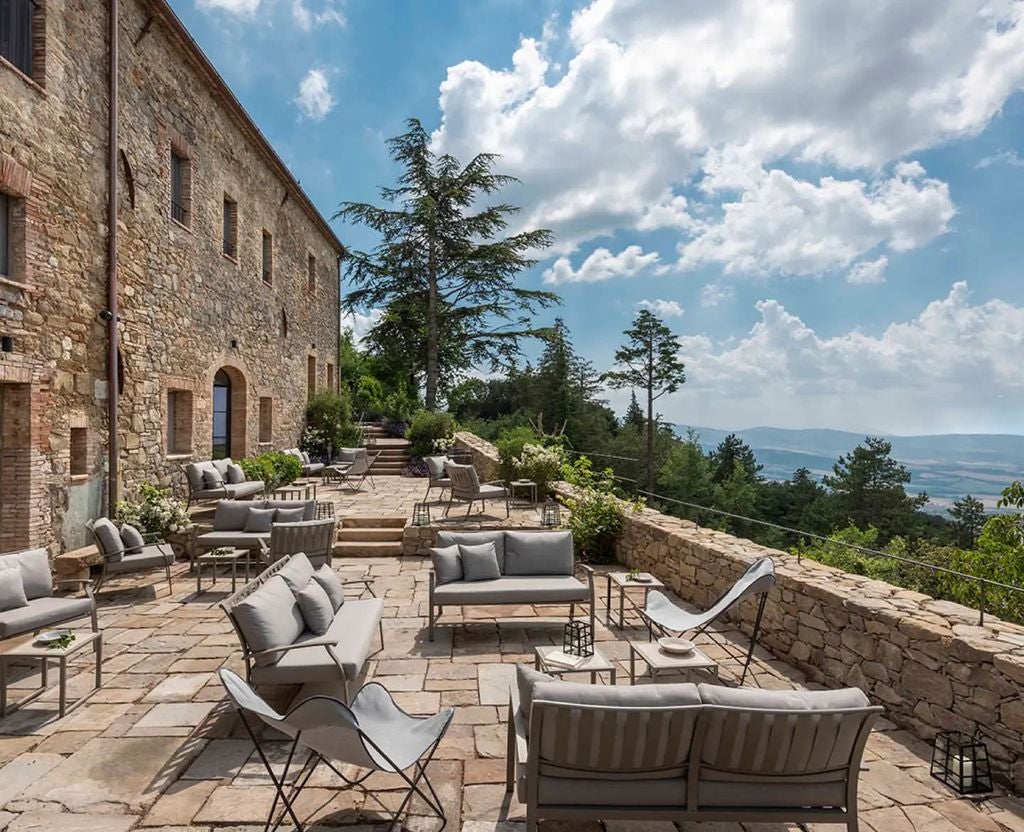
{"x":483,"y":454}
{"x":927,"y":661}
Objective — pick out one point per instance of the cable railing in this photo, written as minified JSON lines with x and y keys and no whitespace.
{"x":983,"y":584}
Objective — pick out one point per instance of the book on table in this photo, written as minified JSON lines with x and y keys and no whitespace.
{"x":562,"y":660}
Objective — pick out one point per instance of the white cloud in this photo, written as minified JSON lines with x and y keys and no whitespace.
{"x":662,"y":308}
{"x":329,"y":12}
{"x":868,"y":271}
{"x":601,"y":265}
{"x":714,"y":294}
{"x":610,"y":142}
{"x":788,"y":226}
{"x":940,"y":371}
{"x":314,"y":98}
{"x":239,"y":7}
{"x":1003,"y":157}
{"x":359,"y":324}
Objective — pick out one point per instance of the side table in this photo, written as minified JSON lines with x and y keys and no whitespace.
{"x":659,"y":661}
{"x":223,"y":557}
{"x":593,"y":665}
{"x":622,"y":582}
{"x":32,"y":650}
{"x":529,"y":486}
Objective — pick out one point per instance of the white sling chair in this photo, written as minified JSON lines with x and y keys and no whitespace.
{"x":661,"y":614}
{"x":372,"y":733}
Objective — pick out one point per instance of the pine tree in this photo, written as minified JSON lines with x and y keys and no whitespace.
{"x":969,"y":517}
{"x":731,"y":450}
{"x":634,"y":415}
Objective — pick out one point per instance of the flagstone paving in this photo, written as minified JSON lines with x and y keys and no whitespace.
{"x":157,"y":748}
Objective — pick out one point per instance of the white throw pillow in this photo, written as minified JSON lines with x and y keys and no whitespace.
{"x":316,"y":607}
{"x":12,"y":590}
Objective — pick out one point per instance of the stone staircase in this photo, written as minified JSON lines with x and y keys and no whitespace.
{"x":369,"y":537}
{"x":392,"y":454}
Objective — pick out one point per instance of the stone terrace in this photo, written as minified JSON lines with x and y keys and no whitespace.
{"x":156,"y":747}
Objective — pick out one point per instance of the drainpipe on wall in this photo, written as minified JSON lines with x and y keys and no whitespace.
{"x":337,"y":316}
{"x":113,"y":437}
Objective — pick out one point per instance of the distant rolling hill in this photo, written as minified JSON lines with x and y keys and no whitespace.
{"x":947,"y":466}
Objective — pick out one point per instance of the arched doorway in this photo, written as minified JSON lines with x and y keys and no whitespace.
{"x":228,"y":428}
{"x":221,"y":415}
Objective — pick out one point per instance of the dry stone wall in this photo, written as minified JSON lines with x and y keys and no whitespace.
{"x":928,"y":662}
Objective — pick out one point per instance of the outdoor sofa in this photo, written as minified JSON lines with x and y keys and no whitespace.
{"x":284,"y":643}
{"x":309,"y":468}
{"x":231,"y":519}
{"x":27,"y":602}
{"x":679,"y":752}
{"x":128,"y":555}
{"x":533,"y":567}
{"x":219,"y":479}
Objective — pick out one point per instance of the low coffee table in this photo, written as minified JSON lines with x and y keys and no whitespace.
{"x":32,"y":650}
{"x":222,"y":558}
{"x":529,"y":486}
{"x":659,"y":661}
{"x":593,"y":665}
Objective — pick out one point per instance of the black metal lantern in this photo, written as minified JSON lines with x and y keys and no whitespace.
{"x":961,"y":762}
{"x":551,"y":515}
{"x":324,"y":510}
{"x":421,"y":514}
{"x":578,"y":639}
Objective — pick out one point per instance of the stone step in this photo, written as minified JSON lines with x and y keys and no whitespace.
{"x":393,"y":454}
{"x":373,"y":522}
{"x":367,"y":549}
{"x":369,"y":533}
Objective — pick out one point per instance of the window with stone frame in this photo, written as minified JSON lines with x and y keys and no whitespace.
{"x":12,"y":237}
{"x":330,"y":376}
{"x":5,"y":235}
{"x":311,"y":273}
{"x":230,"y":227}
{"x":23,"y":37}
{"x":268,"y":257}
{"x":79,"y":452}
{"x":179,"y":422}
{"x":311,"y":376}
{"x":266,"y":420}
{"x":181,"y":186}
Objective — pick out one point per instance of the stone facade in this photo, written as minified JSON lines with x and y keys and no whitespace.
{"x":928,"y":662}
{"x":187,"y":308}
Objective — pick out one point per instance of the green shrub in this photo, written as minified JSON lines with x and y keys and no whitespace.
{"x":274,"y":468}
{"x":328,"y":424}
{"x":598,"y":516}
{"x":426,"y":428}
{"x":399,"y":407}
{"x":510,"y":447}
{"x":369,"y":397}
{"x":539,"y":464}
{"x":156,"y":513}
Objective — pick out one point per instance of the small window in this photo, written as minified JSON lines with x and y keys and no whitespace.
{"x":181,"y":188}
{"x":284,"y":324}
{"x":266,"y":419}
{"x":330,"y":376}
{"x":268,"y":257}
{"x":311,"y":273}
{"x":179,"y":422}
{"x":22,"y":36}
{"x":311,"y":376}
{"x":5,"y":235}
{"x":230,"y":227}
{"x":79,"y":452}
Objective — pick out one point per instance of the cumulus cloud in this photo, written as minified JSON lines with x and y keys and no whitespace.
{"x":610,"y":141}
{"x":868,"y":271}
{"x":939,"y":371}
{"x":662,"y":308}
{"x":314,"y":99}
{"x":601,"y":265}
{"x":788,"y":226}
{"x":239,"y":7}
{"x":714,"y":294}
{"x":327,"y":12}
{"x":359,"y":324}
{"x":1003,"y":157}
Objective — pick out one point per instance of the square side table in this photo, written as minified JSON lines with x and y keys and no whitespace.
{"x":215,"y":560}
{"x":658,"y":661}
{"x":621,"y":582}
{"x":597,"y":663}
{"x":31,"y":650}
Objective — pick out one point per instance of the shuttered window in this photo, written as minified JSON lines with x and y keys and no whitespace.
{"x":179,"y":209}
{"x":5,"y":235}
{"x":16,"y":22}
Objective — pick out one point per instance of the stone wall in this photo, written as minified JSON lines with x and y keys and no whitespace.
{"x":483,"y":454}
{"x":928,"y":662}
{"x":187,"y":309}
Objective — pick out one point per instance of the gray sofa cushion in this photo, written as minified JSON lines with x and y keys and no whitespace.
{"x":221,"y":466}
{"x":12,"y":589}
{"x":309,"y":506}
{"x":41,"y":613}
{"x":249,"y":488}
{"x":108,"y":539}
{"x":479,"y":563}
{"x":34,"y":565}
{"x":731,"y":794}
{"x":783,"y":700}
{"x":445,"y":539}
{"x":132,"y":539}
{"x":238,"y":539}
{"x":231,"y":516}
{"x":289,"y":515}
{"x":259,"y":520}
{"x":269,"y":617}
{"x":354,"y":627}
{"x":555,"y":589}
{"x":212,"y":479}
{"x":584,"y":791}
{"x":618,"y":696}
{"x":234,"y":475}
{"x":194,"y":474}
{"x":297,"y":572}
{"x":313,"y":468}
{"x":435,"y":466}
{"x":315,"y":606}
{"x":331,"y":584}
{"x":526,"y":680}
{"x":447,"y":565}
{"x":150,"y":557}
{"x":538,"y":553}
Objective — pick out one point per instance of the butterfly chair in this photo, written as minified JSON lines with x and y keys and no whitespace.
{"x":372,"y":733}
{"x":353,"y":467}
{"x":661,"y":614}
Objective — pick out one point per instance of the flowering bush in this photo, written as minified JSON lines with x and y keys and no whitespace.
{"x":598,"y":517}
{"x":443,"y":444}
{"x":540,"y":464}
{"x":427,"y":427}
{"x":157,"y":513}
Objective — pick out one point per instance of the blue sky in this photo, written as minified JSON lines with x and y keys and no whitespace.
{"x":824,"y":200}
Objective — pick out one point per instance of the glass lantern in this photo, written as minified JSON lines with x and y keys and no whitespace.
{"x":961,"y":762}
{"x":551,"y":515}
{"x":578,"y":639}
{"x":421,"y":514}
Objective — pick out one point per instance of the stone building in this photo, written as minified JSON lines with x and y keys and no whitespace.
{"x":226,"y":277}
